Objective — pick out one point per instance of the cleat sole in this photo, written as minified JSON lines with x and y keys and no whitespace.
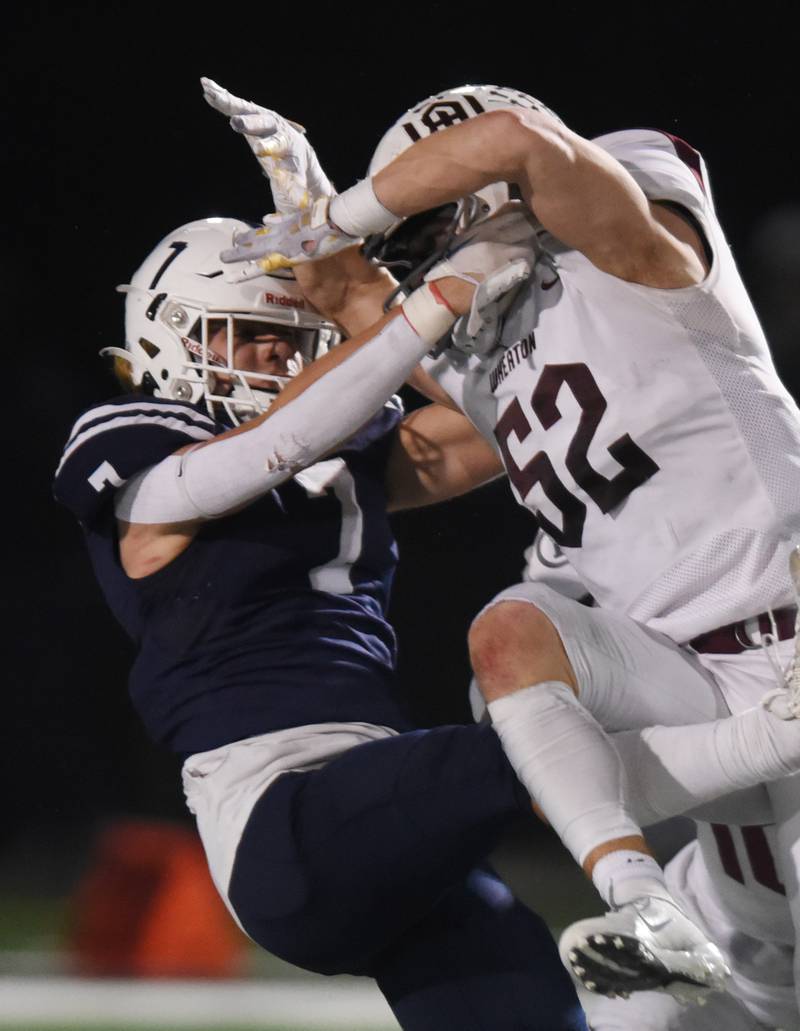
{"x":624,"y":965}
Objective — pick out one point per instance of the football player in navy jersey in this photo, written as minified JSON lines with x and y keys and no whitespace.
{"x":251,"y":565}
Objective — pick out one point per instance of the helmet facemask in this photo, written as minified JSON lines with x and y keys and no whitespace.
{"x":243,"y":393}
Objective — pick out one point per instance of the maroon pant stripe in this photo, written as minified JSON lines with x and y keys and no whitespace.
{"x":761,"y":859}
{"x":727,"y":852}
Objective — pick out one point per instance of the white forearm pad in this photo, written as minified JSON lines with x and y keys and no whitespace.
{"x":567,"y":764}
{"x":427,"y":312}
{"x":358,"y":212}
{"x":210,"y":481}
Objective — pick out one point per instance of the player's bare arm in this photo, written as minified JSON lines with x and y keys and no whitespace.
{"x":346,"y":288}
{"x":579,"y":193}
{"x":426,"y":385}
{"x":437,"y":454}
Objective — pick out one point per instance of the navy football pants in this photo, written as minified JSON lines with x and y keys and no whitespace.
{"x":370,"y":865}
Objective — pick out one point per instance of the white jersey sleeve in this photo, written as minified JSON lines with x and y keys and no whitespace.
{"x":664,"y":166}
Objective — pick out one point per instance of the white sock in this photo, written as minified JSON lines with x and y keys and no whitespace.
{"x":567,"y":764}
{"x":674,"y":769}
{"x":624,"y":875}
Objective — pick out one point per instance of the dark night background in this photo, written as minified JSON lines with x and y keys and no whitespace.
{"x":110,"y":146}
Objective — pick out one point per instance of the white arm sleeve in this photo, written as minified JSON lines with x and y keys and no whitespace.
{"x":210,"y":481}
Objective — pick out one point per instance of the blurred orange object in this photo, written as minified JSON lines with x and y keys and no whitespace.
{"x":147,"y":907}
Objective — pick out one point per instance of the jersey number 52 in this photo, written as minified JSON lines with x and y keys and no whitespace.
{"x":637,"y":467}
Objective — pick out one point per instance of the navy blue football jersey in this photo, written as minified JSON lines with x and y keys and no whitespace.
{"x":274,"y":616}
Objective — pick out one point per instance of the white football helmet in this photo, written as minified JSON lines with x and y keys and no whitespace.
{"x":449,"y":108}
{"x":417,"y":242}
{"x":182,"y":295}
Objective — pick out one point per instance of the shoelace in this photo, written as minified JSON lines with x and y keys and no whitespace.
{"x":788,"y":677}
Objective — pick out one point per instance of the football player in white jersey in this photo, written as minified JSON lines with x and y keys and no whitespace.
{"x":727,"y":878}
{"x":629,"y":390}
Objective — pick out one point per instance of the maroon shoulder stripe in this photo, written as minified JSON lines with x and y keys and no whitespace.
{"x":688,"y":155}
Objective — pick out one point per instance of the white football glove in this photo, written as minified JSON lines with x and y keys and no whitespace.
{"x":287,"y":159}
{"x":287,"y":240}
{"x":496,"y":255}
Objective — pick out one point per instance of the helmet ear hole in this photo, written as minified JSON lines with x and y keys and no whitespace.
{"x":150,"y":348}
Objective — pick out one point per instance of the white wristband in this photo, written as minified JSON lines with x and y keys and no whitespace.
{"x":358,"y":212}
{"x":428,"y":313}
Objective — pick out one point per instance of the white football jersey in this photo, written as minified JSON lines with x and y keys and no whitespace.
{"x":546,"y":563}
{"x":646,"y":428}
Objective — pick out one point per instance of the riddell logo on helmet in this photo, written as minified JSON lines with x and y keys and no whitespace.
{"x":283,"y":301}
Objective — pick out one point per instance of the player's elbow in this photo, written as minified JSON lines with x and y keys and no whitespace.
{"x":525,"y":143}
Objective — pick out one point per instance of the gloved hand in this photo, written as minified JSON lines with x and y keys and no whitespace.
{"x":496,"y":255}
{"x":286,"y":240}
{"x":287,"y":159}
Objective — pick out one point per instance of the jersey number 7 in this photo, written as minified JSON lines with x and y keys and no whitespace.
{"x":334,"y":476}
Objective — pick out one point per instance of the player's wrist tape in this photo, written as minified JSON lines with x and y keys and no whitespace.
{"x":213,"y":480}
{"x":429,"y":313}
{"x":358,"y":212}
